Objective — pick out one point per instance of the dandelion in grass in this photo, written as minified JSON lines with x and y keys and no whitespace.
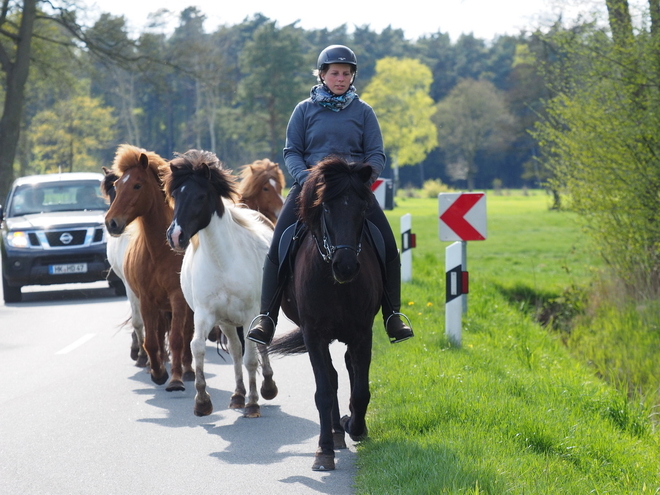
{"x":411,"y":303}
{"x":429,"y":304}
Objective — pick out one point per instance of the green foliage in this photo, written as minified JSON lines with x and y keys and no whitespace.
{"x":473,"y":118}
{"x":600,"y":141}
{"x":68,"y":136}
{"x":399,"y":94}
{"x":511,"y":410}
{"x":274,"y":71}
{"x":433,"y":187}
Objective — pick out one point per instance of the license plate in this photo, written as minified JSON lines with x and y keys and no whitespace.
{"x":67,"y":269}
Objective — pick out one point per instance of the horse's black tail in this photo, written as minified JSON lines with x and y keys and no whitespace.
{"x":289,"y":344}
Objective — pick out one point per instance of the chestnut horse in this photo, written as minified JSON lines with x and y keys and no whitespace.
{"x":334,"y":294}
{"x":225,"y":246}
{"x":115,"y":251}
{"x":151,"y":268}
{"x":261,"y":187}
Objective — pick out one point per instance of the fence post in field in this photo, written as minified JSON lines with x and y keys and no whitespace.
{"x":408,"y":241}
{"x":462,"y":218}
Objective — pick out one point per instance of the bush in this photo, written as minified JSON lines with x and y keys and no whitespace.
{"x":433,"y":187}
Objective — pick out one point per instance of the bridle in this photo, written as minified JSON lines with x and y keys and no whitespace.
{"x":328,"y":250}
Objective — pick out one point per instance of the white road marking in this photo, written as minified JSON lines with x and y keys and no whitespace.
{"x":77,"y":343}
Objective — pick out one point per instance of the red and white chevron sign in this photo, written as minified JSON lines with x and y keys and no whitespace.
{"x":462,"y":216}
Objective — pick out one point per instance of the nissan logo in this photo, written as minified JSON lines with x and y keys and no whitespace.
{"x":66,"y":238}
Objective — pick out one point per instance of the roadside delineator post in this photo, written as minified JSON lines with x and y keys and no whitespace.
{"x":462,"y":218}
{"x":408,"y":241}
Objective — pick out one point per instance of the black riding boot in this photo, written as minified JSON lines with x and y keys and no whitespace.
{"x":271,"y":294}
{"x":397,"y":331}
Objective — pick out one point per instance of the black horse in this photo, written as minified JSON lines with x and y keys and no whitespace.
{"x":334,"y":293}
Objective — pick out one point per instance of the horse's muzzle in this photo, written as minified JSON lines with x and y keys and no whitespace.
{"x":345,"y":266}
{"x":176,"y":238}
{"x":115,"y":227}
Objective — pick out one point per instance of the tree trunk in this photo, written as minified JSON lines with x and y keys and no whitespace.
{"x":16,"y":76}
{"x":620,"y":22}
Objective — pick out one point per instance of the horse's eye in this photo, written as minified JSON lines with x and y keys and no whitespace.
{"x":137,"y":186}
{"x":265,"y":189}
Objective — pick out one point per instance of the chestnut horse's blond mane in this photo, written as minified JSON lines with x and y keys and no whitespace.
{"x":255,"y":174}
{"x":128,"y":155}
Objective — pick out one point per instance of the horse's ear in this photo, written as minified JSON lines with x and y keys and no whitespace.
{"x":364,"y":173}
{"x":144,"y":160}
{"x":207,"y":170}
{"x":106,"y":171}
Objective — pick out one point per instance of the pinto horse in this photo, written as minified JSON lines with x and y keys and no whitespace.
{"x":334,"y":294}
{"x":261,"y":187}
{"x":151,"y":268}
{"x":225,"y":246}
{"x":115,"y":251}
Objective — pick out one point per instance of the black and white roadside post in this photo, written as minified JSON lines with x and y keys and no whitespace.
{"x":462,"y":218}
{"x":408,"y":241}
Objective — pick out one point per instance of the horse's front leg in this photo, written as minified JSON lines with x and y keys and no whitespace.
{"x":203,"y":326}
{"x":358,"y":359}
{"x":251,"y":362}
{"x":235,"y":347}
{"x":268,"y":386}
{"x":138,"y":328}
{"x":152,"y":343}
{"x":178,"y":339}
{"x":325,"y":397}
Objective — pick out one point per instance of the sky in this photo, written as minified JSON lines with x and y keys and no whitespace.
{"x":486,"y":19}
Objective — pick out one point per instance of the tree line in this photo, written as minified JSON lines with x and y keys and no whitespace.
{"x":231,"y":91}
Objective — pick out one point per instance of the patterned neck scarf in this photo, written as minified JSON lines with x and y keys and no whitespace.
{"x":323,"y":96}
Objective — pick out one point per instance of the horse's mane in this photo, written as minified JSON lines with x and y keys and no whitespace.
{"x":127,"y":156}
{"x":257,"y":173}
{"x":330,"y":178}
{"x":204,"y":165}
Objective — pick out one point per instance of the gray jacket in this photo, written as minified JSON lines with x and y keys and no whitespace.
{"x":315,"y":132}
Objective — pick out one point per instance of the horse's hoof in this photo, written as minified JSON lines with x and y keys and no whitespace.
{"x":134,"y":353}
{"x":268,"y":390}
{"x":324,"y":462}
{"x":356,"y":437}
{"x":159,"y":380}
{"x":188,"y":376}
{"x":203,"y":409}
{"x":142,"y":361}
{"x":237,"y":402}
{"x":175,"y":386}
{"x":252,"y":411}
{"x":339,"y":440}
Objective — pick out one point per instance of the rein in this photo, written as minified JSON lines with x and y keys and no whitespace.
{"x":328,"y":250}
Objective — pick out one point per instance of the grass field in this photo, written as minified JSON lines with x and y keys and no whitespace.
{"x":512,"y":410}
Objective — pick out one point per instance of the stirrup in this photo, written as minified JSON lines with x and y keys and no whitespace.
{"x":394,"y":340}
{"x":250,"y":329}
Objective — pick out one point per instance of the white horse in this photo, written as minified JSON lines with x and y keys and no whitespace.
{"x":222,"y":270}
{"x":115,"y":250}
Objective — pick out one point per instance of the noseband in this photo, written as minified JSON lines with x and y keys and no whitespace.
{"x":328,"y":250}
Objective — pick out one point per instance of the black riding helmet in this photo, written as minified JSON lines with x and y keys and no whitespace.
{"x":337,"y":54}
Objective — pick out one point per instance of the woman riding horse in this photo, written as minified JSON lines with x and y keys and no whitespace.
{"x":332,"y":121}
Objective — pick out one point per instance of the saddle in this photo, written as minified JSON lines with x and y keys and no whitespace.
{"x":292,"y":238}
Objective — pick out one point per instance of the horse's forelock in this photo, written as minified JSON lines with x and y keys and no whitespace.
{"x":128,"y":156}
{"x":254,"y":175}
{"x":203,"y":164}
{"x":328,"y":180}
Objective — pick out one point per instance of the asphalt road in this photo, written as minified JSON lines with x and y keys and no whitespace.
{"x":77,"y":417}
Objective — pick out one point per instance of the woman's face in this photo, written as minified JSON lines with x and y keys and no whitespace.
{"x":338,"y":78}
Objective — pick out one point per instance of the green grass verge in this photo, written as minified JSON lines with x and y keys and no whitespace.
{"x":511,"y":410}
